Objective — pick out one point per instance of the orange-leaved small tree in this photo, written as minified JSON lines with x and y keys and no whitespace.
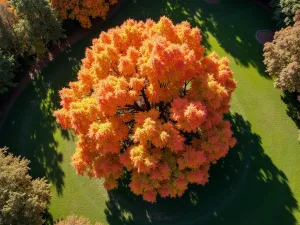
{"x":149,"y":102}
{"x":83,"y":10}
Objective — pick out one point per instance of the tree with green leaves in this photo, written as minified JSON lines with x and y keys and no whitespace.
{"x":38,"y":24}
{"x":22,"y":199}
{"x":284,"y":11}
{"x":8,"y":67}
{"x":10,"y":43}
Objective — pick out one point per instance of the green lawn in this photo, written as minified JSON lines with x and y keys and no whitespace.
{"x":259,"y":181}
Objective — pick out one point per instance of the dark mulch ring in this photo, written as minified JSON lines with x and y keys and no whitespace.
{"x":263,"y":36}
{"x":212,"y":1}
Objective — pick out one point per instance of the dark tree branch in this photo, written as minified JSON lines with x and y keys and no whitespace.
{"x":112,"y":66}
{"x":114,"y":69}
{"x":164,"y":110}
{"x":131,"y":121}
{"x":136,"y":107}
{"x":147,"y":103}
{"x":184,"y":89}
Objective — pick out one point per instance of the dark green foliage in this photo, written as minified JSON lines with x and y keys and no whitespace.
{"x":38,"y":24}
{"x":9,"y":42}
{"x":27,"y":31}
{"x":7,"y":69}
{"x":284,"y":11}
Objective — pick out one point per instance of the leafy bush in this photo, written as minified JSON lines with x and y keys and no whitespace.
{"x":284,"y":11}
{"x":22,"y":199}
{"x":282,"y":57}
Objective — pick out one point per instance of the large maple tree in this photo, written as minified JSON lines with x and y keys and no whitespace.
{"x":148,"y":101}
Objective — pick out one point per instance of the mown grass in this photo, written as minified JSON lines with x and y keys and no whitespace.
{"x":258,"y":183}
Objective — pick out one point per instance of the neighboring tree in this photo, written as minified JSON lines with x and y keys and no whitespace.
{"x":282,"y":57}
{"x":7,"y":21}
{"x":22,"y":199}
{"x":8,"y":67}
{"x":284,"y":11}
{"x":148,"y":100}
{"x":83,"y":10}
{"x":10,"y":42}
{"x":75,"y":220}
{"x":38,"y":24}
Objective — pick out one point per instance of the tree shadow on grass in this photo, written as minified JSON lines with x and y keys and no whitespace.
{"x":48,"y":218}
{"x":293,"y":106}
{"x":40,"y":125}
{"x":245,"y":188}
{"x":230,"y":22}
{"x":31,"y":130}
{"x":34,"y":133}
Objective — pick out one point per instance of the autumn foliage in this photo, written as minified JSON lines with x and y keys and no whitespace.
{"x":282,"y":57}
{"x":23,"y":200}
{"x":149,"y":102}
{"x":83,"y":10}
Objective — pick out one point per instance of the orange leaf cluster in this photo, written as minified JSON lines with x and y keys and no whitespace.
{"x":83,"y":10}
{"x":148,"y":101}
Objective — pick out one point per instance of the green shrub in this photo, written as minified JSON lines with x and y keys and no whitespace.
{"x":22,"y":199}
{"x":284,"y":11}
